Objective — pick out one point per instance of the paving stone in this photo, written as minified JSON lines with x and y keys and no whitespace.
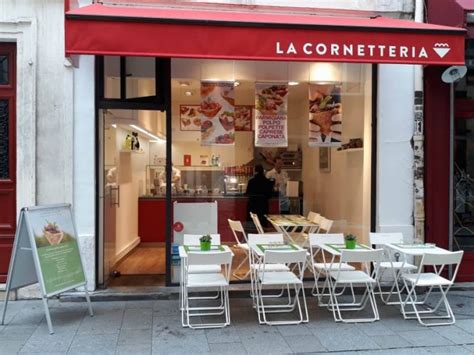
{"x":254,"y":329}
{"x":19,"y":333}
{"x":290,"y":330}
{"x":179,"y":343}
{"x":348,"y":338}
{"x":266,"y":344}
{"x":135,"y":336}
{"x":455,"y":334}
{"x":135,"y":349}
{"x":466,"y":325}
{"x":47,"y":343}
{"x":391,"y":341}
{"x":10,"y":346}
{"x":94,"y":344}
{"x":227,"y":349}
{"x":376,"y":328}
{"x":137,"y":319}
{"x":222,"y":335}
{"x":426,"y":337}
{"x":304,"y":343}
{"x":103,"y":322}
{"x":458,"y":350}
{"x":149,"y":304}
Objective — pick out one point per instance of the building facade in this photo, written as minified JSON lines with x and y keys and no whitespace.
{"x":59,"y":153}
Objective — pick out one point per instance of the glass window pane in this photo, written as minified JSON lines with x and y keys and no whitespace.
{"x":140,"y":72}
{"x":3,"y":70}
{"x":112,"y":77}
{"x":4,"y":140}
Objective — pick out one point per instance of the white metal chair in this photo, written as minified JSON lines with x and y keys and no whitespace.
{"x":439,"y":263}
{"x":282,"y":278}
{"x":325,"y":225}
{"x":362,"y":277}
{"x":255,"y":262}
{"x":257,"y":223}
{"x":316,"y":242}
{"x":207,"y":281}
{"x":236,"y":227}
{"x":397,"y":267}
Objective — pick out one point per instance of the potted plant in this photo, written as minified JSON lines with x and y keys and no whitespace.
{"x":205,"y":241}
{"x":351,"y":241}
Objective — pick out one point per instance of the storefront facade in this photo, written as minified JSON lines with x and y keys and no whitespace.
{"x":387,"y":112}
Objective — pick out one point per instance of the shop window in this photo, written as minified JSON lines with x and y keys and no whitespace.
{"x":4,"y":140}
{"x":4,"y":70}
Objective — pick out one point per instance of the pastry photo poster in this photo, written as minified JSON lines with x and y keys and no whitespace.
{"x":325,"y":115}
{"x":271,"y":117}
{"x":217,"y":113}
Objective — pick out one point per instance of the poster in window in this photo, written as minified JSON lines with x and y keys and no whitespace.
{"x":325,"y":115}
{"x":271,"y":116}
{"x":243,"y":118}
{"x":217,"y":113}
{"x":189,"y":117}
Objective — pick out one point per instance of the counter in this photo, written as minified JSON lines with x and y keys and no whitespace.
{"x":152,"y":214}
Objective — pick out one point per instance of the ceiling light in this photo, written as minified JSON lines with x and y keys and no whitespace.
{"x":144,"y":131}
{"x":188,"y":93}
{"x":183,"y":83}
{"x":293,"y":83}
{"x":114,"y":125}
{"x":236,"y":83}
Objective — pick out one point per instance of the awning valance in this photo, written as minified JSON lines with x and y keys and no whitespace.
{"x":128,"y":31}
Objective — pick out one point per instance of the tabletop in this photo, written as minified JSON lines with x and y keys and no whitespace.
{"x":184,"y":249}
{"x":336,"y":248}
{"x":259,"y":249}
{"x":417,"y":249}
{"x":290,"y":220}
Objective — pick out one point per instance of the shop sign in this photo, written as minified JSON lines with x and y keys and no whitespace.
{"x":217,"y":113}
{"x":271,"y":118}
{"x":325,"y":115}
{"x":46,"y":251}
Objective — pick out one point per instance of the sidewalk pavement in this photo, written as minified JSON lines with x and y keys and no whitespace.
{"x":146,"y":327}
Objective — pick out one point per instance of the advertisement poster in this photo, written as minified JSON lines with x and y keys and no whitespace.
{"x":217,"y":113}
{"x":243,"y":118}
{"x":325,"y":115}
{"x":57,"y":247}
{"x":189,"y":117}
{"x":271,"y":104}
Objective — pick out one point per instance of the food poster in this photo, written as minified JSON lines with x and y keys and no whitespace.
{"x":271,"y":117}
{"x":243,"y":118}
{"x":58,"y":251}
{"x":217,"y":113}
{"x":189,"y":117}
{"x":325,"y":115}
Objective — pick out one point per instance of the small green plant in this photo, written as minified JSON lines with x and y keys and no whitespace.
{"x":350,"y":237}
{"x":205,"y":238}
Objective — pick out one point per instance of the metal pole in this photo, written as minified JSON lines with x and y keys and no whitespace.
{"x":451,"y":169}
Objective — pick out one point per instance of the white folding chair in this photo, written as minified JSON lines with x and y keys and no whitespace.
{"x":257,"y":223}
{"x":397,"y":267}
{"x":325,"y":225}
{"x":362,"y":277}
{"x":206,"y":282}
{"x":439,"y":263}
{"x":282,"y":278}
{"x":236,"y":227}
{"x":255,"y":262}
{"x":316,"y":242}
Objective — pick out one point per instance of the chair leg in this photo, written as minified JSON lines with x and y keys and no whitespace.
{"x":238,"y":267}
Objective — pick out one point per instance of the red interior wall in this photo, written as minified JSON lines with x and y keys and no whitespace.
{"x":436,"y":156}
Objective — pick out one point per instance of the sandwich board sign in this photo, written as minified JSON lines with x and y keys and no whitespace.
{"x":46,"y":251}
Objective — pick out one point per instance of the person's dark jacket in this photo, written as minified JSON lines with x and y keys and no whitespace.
{"x":259,"y":191}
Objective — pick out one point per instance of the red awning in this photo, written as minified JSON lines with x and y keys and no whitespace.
{"x":128,"y":31}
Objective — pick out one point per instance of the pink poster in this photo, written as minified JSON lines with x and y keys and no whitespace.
{"x":217,"y":113}
{"x":271,"y":105}
{"x":325,"y":115}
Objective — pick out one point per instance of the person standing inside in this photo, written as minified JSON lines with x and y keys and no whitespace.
{"x":259,"y":191}
{"x":280,"y":178}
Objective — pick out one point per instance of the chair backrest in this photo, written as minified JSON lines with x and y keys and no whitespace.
{"x":362,"y":256}
{"x":311,"y":215}
{"x":209,"y":258}
{"x":325,"y":224}
{"x":448,"y":258}
{"x":316,"y":239}
{"x":385,"y":238}
{"x":284,"y":256}
{"x":193,"y":239}
{"x":316,"y":218}
{"x":236,"y":227}
{"x":254,"y":239}
{"x":257,"y":223}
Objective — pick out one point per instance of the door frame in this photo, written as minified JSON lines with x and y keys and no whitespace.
{"x":160,"y":102}
{"x":8,"y":92}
